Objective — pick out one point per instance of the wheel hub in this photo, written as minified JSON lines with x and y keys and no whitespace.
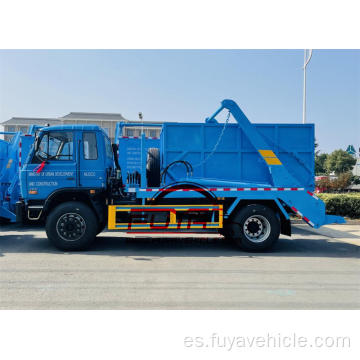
{"x":254,"y":227}
{"x":257,"y":228}
{"x":70,"y":227}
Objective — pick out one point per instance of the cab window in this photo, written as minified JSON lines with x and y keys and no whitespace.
{"x":90,"y":146}
{"x":55,"y":145}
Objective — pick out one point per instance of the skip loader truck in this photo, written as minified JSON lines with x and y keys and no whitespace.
{"x":240,"y":179}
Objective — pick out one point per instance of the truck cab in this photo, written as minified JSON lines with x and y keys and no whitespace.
{"x":68,"y":163}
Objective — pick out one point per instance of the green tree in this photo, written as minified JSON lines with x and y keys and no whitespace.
{"x":355,"y":180}
{"x":339,"y":161}
{"x":320,"y":160}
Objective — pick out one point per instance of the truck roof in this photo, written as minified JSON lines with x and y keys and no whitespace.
{"x":72,"y":127}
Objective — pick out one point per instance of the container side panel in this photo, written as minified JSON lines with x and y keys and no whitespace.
{"x":235,"y":158}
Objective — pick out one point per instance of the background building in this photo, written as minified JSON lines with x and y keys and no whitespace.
{"x":356,"y":168}
{"x":106,"y":120}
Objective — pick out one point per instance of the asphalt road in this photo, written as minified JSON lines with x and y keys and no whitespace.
{"x":311,"y":270}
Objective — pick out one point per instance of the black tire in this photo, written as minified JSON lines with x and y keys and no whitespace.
{"x":72,"y":226}
{"x":255,"y":228}
{"x":153,"y":167}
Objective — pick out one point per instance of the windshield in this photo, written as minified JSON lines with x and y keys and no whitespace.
{"x":55,"y":146}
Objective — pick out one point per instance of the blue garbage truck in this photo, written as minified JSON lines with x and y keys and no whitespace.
{"x":240,"y":179}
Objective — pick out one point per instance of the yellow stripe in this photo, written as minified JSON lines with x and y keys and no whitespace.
{"x":185,"y":226}
{"x":272,"y":161}
{"x":175,"y":207}
{"x":270,"y":157}
{"x":182,"y":226}
{"x":221,"y":217}
{"x":9,"y":163}
{"x":172,"y":217}
{"x":111,"y":217}
{"x":267,"y":153}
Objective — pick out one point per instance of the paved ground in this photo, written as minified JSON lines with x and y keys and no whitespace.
{"x":312,"y":270}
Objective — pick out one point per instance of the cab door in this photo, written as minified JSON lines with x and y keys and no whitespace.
{"x":92,"y":173}
{"x":53,"y":165}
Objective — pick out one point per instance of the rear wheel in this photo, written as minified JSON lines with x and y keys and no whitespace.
{"x":71,"y":226}
{"x":255,"y":228}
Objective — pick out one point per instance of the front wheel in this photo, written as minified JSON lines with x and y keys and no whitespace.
{"x":72,"y":226}
{"x":255,"y":228}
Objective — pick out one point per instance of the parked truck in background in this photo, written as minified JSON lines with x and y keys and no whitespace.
{"x":243,"y":180}
{"x":12,"y":152}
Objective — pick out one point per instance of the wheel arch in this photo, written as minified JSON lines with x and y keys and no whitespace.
{"x":65,"y":195}
{"x":185,"y":185}
{"x":274,"y":204}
